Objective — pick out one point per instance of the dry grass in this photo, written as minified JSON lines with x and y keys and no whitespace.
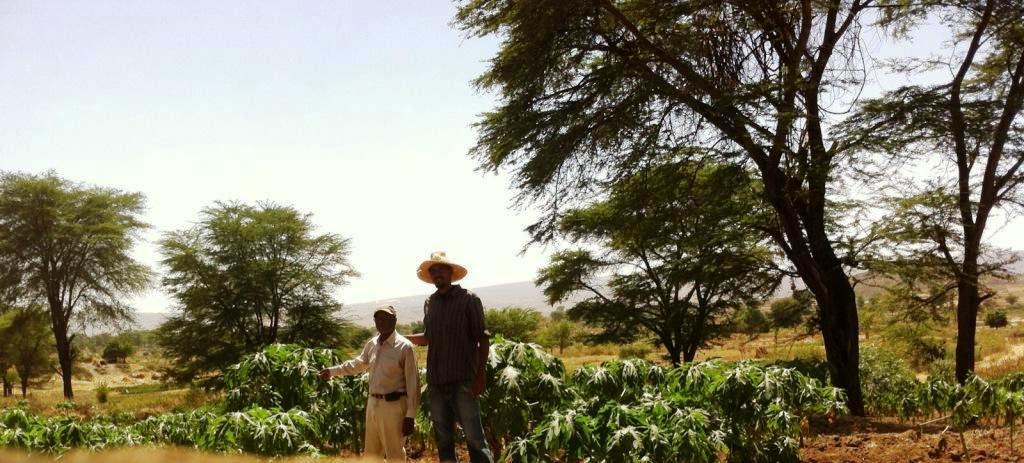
{"x":142,"y":405}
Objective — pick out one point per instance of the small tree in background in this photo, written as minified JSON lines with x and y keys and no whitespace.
{"x":560,"y":333}
{"x":118,"y":351}
{"x":790,"y":312}
{"x":515,"y":323}
{"x":1011,"y":299}
{"x":246,"y":276}
{"x":996,"y":319}
{"x":752,"y":321}
{"x":28,"y":344}
{"x":671,"y":278}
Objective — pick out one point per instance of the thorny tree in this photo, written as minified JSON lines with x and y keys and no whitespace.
{"x":68,"y":246}
{"x":591,"y":90}
{"x":971,"y":123}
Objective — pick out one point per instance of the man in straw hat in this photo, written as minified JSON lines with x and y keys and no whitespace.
{"x":394,"y":387}
{"x":453,"y":322}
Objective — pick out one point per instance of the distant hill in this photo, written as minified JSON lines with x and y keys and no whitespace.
{"x":410,"y":308}
{"x":520,"y":294}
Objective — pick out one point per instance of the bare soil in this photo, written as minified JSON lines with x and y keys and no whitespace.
{"x":883,"y":440}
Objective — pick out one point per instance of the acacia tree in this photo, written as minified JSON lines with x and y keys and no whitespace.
{"x":591,"y":89}
{"x":682,"y":253}
{"x":25,"y":335}
{"x":248,"y":276}
{"x":68,"y":246}
{"x":971,"y":123}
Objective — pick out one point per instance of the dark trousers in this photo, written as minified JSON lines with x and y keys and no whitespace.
{"x":455,"y":402}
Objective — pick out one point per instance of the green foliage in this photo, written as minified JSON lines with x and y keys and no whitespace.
{"x":560,"y":332}
{"x":631,"y":410}
{"x":524,"y":385}
{"x":284,"y":377}
{"x":888,"y":384}
{"x":638,"y":349}
{"x":622,"y":411}
{"x":996,"y":319}
{"x":102,"y":393}
{"x":591,"y":94}
{"x":752,"y":320}
{"x":513,"y":323}
{"x":95,"y":228}
{"x":670,"y":277}
{"x":118,"y":351}
{"x":793,"y":311}
{"x":246,"y":277}
{"x":26,"y":344}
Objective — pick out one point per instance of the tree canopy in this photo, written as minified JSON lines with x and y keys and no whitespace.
{"x":246,"y":276}
{"x":680,"y":253}
{"x":968,"y":130}
{"x":68,"y":246}
{"x":591,"y":91}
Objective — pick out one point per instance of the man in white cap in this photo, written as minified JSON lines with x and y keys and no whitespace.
{"x":394,"y":387}
{"x":454,"y":328}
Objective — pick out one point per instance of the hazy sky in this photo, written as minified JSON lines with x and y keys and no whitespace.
{"x":358,"y":112}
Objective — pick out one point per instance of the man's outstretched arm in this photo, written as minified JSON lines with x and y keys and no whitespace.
{"x":417,"y":339}
{"x":357,"y":365}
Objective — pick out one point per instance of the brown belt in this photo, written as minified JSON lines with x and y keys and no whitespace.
{"x":389,"y":397}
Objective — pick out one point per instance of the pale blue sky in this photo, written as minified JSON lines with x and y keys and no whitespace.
{"x":358,"y":112}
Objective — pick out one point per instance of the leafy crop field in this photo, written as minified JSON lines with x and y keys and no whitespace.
{"x":619,"y":410}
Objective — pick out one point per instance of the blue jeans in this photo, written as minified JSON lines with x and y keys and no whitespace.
{"x":451,"y":402}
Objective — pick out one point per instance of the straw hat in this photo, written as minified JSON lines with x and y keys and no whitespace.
{"x":458,"y":272}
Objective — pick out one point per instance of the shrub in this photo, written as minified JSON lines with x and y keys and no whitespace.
{"x":752,"y":320}
{"x":996,"y":319}
{"x":942,"y":370}
{"x":118,"y":351}
{"x":513,"y":323}
{"x":1011,"y":299}
{"x":102,"y":393}
{"x":638,"y":350}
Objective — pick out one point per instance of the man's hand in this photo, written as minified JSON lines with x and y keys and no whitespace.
{"x":408,"y":426}
{"x":479,"y":385}
{"x":324,"y":374}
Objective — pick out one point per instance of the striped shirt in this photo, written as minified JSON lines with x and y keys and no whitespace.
{"x":453,"y":323}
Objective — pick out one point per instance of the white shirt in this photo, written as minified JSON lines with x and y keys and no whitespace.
{"x":392,"y":366}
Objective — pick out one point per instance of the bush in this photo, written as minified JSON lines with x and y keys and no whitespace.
{"x":887,"y":383}
{"x":942,"y":370}
{"x":118,"y":351}
{"x":638,"y":349}
{"x":1011,"y":299}
{"x":513,"y":323}
{"x":924,"y":352}
{"x":996,"y":319}
{"x":752,"y":320}
{"x":102,"y":393}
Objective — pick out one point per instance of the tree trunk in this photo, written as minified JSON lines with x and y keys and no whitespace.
{"x":968,"y":302}
{"x":64,"y":358}
{"x":6,"y":384}
{"x":688,"y":356}
{"x":839,"y":329}
{"x":24,"y":388}
{"x":674,"y":355}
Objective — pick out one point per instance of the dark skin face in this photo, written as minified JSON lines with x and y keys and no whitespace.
{"x":385,"y":324}
{"x":441,"y":275}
